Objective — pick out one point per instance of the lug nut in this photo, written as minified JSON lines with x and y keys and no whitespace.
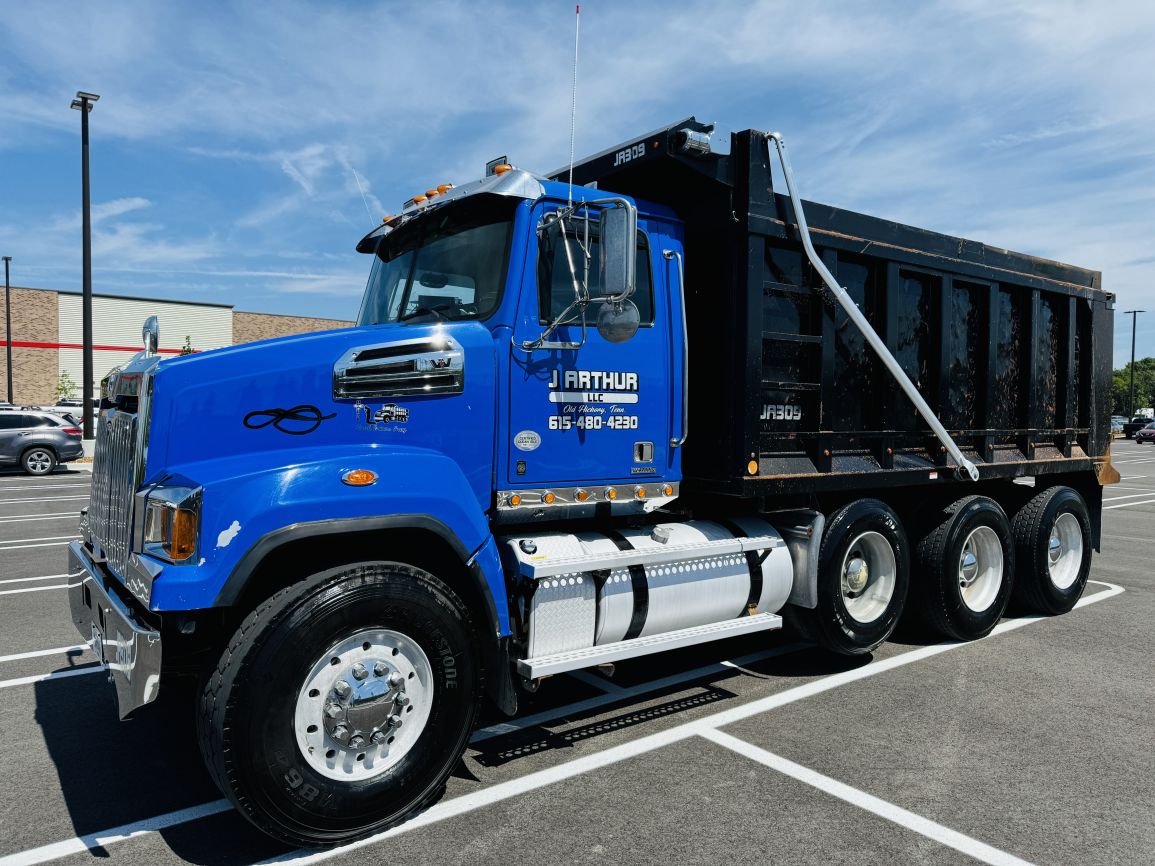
{"x":342,"y":689}
{"x":359,"y":671}
{"x":402,"y":700}
{"x":357,"y":742}
{"x":333,"y":711}
{"x":396,"y":679}
{"x":378,"y":738}
{"x":379,"y":669}
{"x":340,"y":732}
{"x":394,"y":721}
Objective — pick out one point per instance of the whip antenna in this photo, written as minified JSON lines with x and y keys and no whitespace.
{"x":573,"y":102}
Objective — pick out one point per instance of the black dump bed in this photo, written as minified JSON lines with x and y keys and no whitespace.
{"x":1013,"y":353}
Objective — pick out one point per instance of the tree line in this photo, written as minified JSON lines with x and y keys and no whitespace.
{"x":1144,"y":387}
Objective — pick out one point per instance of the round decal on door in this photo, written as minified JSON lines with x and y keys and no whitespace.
{"x":526,"y":440}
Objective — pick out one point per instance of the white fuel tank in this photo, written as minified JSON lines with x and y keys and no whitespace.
{"x":677,"y":581}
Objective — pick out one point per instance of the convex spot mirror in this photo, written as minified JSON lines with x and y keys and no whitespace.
{"x":619,"y":237}
{"x":618,"y":322}
{"x":151,"y":334}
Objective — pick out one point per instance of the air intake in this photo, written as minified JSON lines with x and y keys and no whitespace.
{"x":432,"y":365}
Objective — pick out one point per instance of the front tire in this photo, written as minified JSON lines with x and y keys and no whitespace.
{"x":38,"y":461}
{"x":966,"y":569}
{"x":342,"y":703}
{"x":1053,"y":547}
{"x":863,"y":576}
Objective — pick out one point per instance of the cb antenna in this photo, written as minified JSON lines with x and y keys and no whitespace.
{"x":573,"y":101}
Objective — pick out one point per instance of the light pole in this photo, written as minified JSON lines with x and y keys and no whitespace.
{"x":8,"y":325}
{"x":1134,"y":314}
{"x":83,"y":103}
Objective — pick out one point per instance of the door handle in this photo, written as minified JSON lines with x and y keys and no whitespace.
{"x":677,"y":441}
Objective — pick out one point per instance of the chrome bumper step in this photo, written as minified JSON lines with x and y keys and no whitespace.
{"x":572,"y":660}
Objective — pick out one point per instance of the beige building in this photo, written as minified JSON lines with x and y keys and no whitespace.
{"x":47,"y":335}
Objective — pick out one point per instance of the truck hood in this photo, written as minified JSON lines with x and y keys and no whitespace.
{"x":281,"y":396}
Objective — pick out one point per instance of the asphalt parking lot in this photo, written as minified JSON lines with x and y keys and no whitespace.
{"x":1036,"y":744}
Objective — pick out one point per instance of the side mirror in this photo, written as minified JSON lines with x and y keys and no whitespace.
{"x":618,"y":322}
{"x":618,"y":251}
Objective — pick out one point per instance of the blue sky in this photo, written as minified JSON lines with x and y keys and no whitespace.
{"x":232,"y":138}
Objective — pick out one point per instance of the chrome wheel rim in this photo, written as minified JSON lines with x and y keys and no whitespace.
{"x":980,"y":568}
{"x":869,"y":574}
{"x":39,"y":461}
{"x":1065,"y":551}
{"x":364,"y":704}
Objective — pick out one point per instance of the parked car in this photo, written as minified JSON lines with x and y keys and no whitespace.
{"x":1135,"y":424}
{"x":1145,"y":434}
{"x":38,"y":441}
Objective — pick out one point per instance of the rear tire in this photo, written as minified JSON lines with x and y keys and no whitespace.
{"x":863,"y":576}
{"x":299,"y":722}
{"x":38,"y":460}
{"x":1053,"y":548}
{"x":966,"y":569}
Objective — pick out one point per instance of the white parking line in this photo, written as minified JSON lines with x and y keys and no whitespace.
{"x":30,"y":579}
{"x":56,"y":515}
{"x":26,"y":546}
{"x":55,"y":675}
{"x":117,"y":834}
{"x":60,"y":650}
{"x":42,"y":499}
{"x":8,"y":541}
{"x":1125,"y":504}
{"x":895,"y":814}
{"x":24,"y":487}
{"x":533,"y":781}
{"x":1147,"y":492}
{"x":34,"y":589}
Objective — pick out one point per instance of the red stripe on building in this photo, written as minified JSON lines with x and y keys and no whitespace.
{"x":21,"y":344}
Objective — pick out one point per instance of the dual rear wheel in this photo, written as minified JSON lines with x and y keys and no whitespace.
{"x":961,"y":573}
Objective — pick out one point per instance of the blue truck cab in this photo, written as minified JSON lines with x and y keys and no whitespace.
{"x":356,"y":538}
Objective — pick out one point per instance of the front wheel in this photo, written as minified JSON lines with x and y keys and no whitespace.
{"x":342,"y":703}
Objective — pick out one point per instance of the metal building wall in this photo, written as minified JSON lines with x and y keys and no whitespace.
{"x":116,"y":324}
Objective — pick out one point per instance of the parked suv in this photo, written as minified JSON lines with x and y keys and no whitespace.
{"x":37,"y":441}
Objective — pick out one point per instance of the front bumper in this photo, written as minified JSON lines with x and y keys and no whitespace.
{"x":129,"y":650}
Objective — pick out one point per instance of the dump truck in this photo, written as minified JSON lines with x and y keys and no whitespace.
{"x":649,"y":401}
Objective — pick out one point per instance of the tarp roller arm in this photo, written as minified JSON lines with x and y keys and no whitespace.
{"x":964,"y":468}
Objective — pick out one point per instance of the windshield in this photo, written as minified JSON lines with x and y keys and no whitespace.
{"x":447,"y":264}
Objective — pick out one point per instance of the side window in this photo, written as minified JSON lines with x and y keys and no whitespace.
{"x":555,"y":283}
{"x":11,"y":421}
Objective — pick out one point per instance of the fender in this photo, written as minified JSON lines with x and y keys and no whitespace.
{"x":252,"y":503}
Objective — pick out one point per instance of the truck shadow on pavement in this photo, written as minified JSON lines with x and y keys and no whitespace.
{"x":114,"y":773}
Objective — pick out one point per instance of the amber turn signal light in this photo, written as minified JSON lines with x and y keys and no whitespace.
{"x":515,"y":499}
{"x":359,"y":477}
{"x":183,"y":542}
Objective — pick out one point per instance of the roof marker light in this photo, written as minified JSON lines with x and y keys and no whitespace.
{"x":502,"y":169}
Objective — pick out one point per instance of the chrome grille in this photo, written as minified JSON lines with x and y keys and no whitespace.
{"x":113,"y":485}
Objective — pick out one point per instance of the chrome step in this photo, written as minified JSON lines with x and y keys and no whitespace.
{"x":573,"y":660}
{"x":656,"y":555}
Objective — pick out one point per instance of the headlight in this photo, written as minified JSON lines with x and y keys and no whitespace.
{"x":171,"y":522}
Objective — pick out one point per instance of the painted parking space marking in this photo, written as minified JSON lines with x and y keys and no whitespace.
{"x":1147,"y":492}
{"x":29,"y":518}
{"x":883,"y":809}
{"x":60,"y":650}
{"x":552,"y":775}
{"x":1127,"y":504}
{"x":55,"y":675}
{"x":42,"y":499}
{"x":24,"y":487}
{"x":122,"y":833}
{"x":42,"y":538}
{"x":30,"y":579}
{"x":35,"y":589}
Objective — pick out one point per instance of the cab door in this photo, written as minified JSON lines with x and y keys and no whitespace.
{"x":601,"y":412}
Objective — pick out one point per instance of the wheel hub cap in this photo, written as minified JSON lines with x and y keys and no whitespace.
{"x":980,"y":569}
{"x":363,"y":705}
{"x":868,"y":577}
{"x":857,"y":574}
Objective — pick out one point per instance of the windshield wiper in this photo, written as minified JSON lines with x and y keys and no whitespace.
{"x":428,"y":311}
